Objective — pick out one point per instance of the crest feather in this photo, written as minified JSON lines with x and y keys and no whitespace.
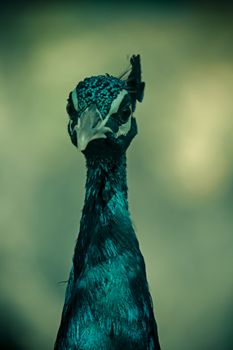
{"x":135,"y":85}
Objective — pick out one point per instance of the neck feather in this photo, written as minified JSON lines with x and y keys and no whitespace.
{"x":105,"y":216}
{"x":106,"y":180}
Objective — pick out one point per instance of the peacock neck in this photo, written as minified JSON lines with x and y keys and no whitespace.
{"x":106,"y":181}
{"x":105,"y":213}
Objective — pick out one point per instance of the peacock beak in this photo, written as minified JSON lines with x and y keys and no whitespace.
{"x":90,"y":126}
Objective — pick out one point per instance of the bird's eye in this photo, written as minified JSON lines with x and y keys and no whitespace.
{"x":125,"y":114}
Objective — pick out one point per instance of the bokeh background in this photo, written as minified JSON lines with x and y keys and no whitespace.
{"x":180,"y":166}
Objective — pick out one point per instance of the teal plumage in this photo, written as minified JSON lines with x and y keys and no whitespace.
{"x":107,"y":305}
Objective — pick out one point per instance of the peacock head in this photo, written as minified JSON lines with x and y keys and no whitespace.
{"x":100,"y":111}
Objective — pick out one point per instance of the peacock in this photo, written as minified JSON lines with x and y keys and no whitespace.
{"x":108,"y":305}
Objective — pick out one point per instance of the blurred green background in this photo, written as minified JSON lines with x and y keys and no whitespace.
{"x":180,"y":166}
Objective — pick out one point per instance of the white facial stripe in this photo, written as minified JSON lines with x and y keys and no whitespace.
{"x":69,"y":126}
{"x":124,"y":128}
{"x":75,"y":99}
{"x":116,"y":103}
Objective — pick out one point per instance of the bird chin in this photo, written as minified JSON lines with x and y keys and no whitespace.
{"x":97,"y":148}
{"x":83,"y":140}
